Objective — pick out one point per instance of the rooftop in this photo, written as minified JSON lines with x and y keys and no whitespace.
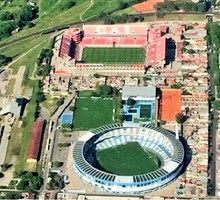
{"x":144,"y":92}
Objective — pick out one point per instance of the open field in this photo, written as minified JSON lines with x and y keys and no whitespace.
{"x":127,"y":159}
{"x":113,"y":55}
{"x":31,"y":58}
{"x":18,"y":48}
{"x":51,"y":16}
{"x":101,"y":6}
{"x":92,"y":113}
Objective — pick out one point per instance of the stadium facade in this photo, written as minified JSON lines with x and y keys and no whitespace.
{"x":74,"y":41}
{"x":159,"y":141}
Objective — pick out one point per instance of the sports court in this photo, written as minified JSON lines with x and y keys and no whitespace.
{"x":66,"y":118}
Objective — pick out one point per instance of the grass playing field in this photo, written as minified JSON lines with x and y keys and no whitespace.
{"x":113,"y":55}
{"x":92,"y":113}
{"x":127,"y":159}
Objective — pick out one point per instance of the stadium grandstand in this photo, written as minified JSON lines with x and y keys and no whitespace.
{"x":79,"y":46}
{"x":161,"y":143}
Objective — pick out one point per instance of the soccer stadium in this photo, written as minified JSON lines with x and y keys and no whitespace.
{"x":110,"y":50}
{"x":128,"y":159}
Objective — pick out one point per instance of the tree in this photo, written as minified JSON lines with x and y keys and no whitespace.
{"x":60,"y":102}
{"x":66,"y":4}
{"x":216,"y":105}
{"x":72,"y":108}
{"x":56,"y":182}
{"x":185,"y":43}
{"x":23,"y":185}
{"x":64,"y":144}
{"x":180,"y":118}
{"x":5,"y":167}
{"x":57,"y":164}
{"x":5,"y":16}
{"x":131,"y":102}
{"x":1,"y":175}
{"x":162,"y":122}
{"x":96,"y":75}
{"x":191,"y":51}
{"x":40,"y":97}
{"x":104,"y":90}
{"x":4,"y":60}
{"x":67,"y":126}
{"x":30,"y":181}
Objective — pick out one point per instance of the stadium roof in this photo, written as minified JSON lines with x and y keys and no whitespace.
{"x":170,"y":104}
{"x":35,"y":141}
{"x":144,"y":92}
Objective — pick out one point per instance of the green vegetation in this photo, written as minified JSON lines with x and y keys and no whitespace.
{"x":113,"y":55}
{"x":11,"y":196}
{"x":216,"y":105}
{"x":18,"y":48}
{"x":30,"y":59}
{"x":64,"y":144}
{"x":92,"y":113}
{"x":30,"y":181}
{"x":57,"y":164}
{"x":127,"y":159}
{"x":4,"y":60}
{"x":101,"y":8}
{"x":169,"y":7}
{"x":56,"y":182}
{"x":43,"y":62}
{"x":53,"y":13}
{"x":213,"y":40}
{"x":5,"y":167}
{"x":9,"y":21}
{"x":123,"y":18}
{"x":180,"y":118}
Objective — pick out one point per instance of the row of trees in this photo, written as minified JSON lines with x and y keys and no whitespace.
{"x":114,"y":19}
{"x":43,"y":62}
{"x":169,"y":7}
{"x":213,"y":39}
{"x":10,"y":21}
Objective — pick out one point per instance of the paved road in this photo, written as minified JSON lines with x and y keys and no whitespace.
{"x":18,"y":82}
{"x":51,"y":136}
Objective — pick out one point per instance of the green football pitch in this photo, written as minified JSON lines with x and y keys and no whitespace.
{"x":91,"y":113}
{"x":113,"y":55}
{"x":127,"y":159}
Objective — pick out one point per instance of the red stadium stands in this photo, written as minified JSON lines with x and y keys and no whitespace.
{"x":65,"y":46}
{"x":96,"y":30}
{"x":119,"y":35}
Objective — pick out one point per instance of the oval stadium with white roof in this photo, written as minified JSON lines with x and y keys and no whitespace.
{"x":128,"y":159}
